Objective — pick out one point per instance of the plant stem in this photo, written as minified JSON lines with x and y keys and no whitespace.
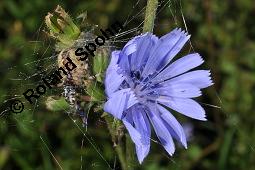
{"x":116,"y":139}
{"x":130,"y":152}
{"x":121,"y":155}
{"x":150,"y":15}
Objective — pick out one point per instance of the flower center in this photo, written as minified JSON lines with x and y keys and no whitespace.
{"x":143,"y":88}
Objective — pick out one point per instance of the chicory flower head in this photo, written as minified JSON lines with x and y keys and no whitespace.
{"x":142,"y":85}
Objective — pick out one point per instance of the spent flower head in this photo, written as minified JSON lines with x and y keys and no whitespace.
{"x":143,"y":85}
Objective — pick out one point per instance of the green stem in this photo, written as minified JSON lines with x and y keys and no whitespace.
{"x":121,"y":155}
{"x":116,"y":139}
{"x":130,"y":153}
{"x":150,"y":15}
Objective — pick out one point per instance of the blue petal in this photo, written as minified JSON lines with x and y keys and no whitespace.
{"x":143,"y":127}
{"x":187,"y":107}
{"x":180,"y":66}
{"x":124,"y":64}
{"x":119,"y":102}
{"x":161,"y":130}
{"x":113,"y":79}
{"x":134,"y":133}
{"x":131,"y":46}
{"x":173,"y":126}
{"x":198,"y":78}
{"x":114,"y":58}
{"x":125,"y":54}
{"x":164,"y":51}
{"x":144,"y":45}
{"x":181,"y":90}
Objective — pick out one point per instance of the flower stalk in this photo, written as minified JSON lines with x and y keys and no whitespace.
{"x":113,"y":128}
{"x":150,"y":15}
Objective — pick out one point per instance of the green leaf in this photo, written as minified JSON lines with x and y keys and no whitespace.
{"x":96,"y":92}
{"x":100,"y":63}
{"x":56,"y":104}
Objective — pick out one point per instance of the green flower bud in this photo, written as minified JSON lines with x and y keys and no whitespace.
{"x":62,"y":27}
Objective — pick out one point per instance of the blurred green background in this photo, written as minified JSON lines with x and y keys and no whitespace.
{"x":222,"y":31}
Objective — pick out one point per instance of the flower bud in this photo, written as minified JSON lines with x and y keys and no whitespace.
{"x":62,"y":27}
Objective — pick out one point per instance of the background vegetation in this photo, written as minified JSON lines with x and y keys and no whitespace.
{"x":222,"y":31}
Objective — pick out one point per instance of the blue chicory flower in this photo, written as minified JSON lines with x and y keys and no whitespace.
{"x":142,"y":85}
